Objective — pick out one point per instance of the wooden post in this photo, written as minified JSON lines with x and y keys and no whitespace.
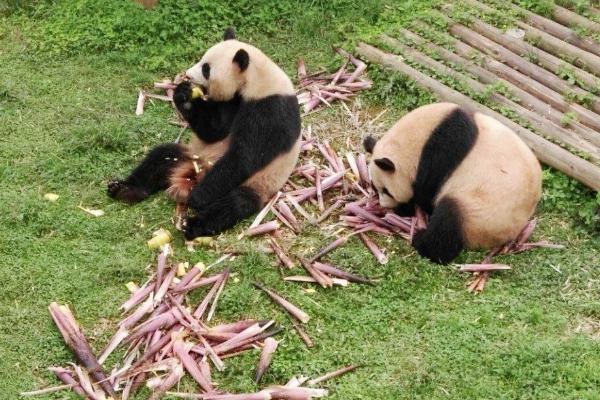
{"x":547,"y":152}
{"x":569,"y":18}
{"x":541,"y":124}
{"x":551,"y":44}
{"x":528,"y":68}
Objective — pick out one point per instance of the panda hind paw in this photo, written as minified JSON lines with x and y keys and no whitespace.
{"x":120,"y":190}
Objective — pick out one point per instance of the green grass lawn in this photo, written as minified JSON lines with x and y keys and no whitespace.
{"x":69,"y":76}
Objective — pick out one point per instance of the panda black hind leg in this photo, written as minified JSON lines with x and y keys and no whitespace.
{"x":214,"y":218}
{"x":443,"y":239}
{"x":150,"y":176}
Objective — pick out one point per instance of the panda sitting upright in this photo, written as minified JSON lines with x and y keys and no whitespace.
{"x":246,"y":131}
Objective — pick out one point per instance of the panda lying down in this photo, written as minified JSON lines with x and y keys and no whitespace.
{"x":476,"y":178}
{"x":246,"y":135}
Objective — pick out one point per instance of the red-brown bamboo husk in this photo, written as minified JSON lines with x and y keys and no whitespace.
{"x":289,"y":307}
{"x":235,"y":327}
{"x":381,"y":257}
{"x":333,"y":374}
{"x":303,"y":335}
{"x":204,"y":304}
{"x":143,"y":309}
{"x":182,"y":349}
{"x":296,"y":393}
{"x":171,"y":380}
{"x":288,"y":214}
{"x":262,"y":229}
{"x":319,"y":190}
{"x":283,"y":258}
{"x":215,"y":301}
{"x":198,"y":283}
{"x":320,"y":277}
{"x":138,"y":297}
{"x":74,"y":338}
{"x":336,"y":271}
{"x":212,"y":354}
{"x":329,"y":248}
{"x":353,"y":208}
{"x":65,"y":376}
{"x":265,"y":358}
{"x":338,"y":203}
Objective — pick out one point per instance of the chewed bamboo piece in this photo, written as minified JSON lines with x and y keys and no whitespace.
{"x":289,"y":307}
{"x":483,"y":267}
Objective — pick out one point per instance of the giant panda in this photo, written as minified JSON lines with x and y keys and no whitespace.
{"x":246,"y":133}
{"x":478,"y":181}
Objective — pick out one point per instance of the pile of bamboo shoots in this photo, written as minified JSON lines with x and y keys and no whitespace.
{"x":321,"y":88}
{"x":559,"y":119}
{"x":164,"y":338}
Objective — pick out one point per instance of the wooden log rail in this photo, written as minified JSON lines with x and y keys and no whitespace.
{"x":548,"y":152}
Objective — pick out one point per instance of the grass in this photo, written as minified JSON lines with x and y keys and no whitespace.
{"x":68,"y":86}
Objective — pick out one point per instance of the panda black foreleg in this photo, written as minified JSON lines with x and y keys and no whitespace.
{"x":150,"y":176}
{"x":210,"y":120}
{"x":215,"y":217}
{"x":443,"y":239}
{"x":405,"y":209}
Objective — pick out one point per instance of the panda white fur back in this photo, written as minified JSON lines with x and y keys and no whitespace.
{"x":476,"y":177}
{"x":246,"y":135}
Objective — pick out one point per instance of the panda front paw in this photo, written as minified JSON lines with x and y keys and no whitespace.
{"x":195,"y":227}
{"x":183,"y":96}
{"x":120,"y":190}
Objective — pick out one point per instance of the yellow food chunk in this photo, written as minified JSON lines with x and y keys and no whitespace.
{"x":196,"y":92}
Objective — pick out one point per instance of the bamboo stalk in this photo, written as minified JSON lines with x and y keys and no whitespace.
{"x":332,"y":375}
{"x":289,"y":307}
{"x":553,"y":131}
{"x":303,"y":335}
{"x":569,"y":18}
{"x":552,"y":44}
{"x":78,"y":344}
{"x":546,"y":151}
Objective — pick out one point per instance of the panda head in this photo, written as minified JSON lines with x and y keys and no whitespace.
{"x":231,"y":68}
{"x":387,"y":178}
{"x":220,"y":72}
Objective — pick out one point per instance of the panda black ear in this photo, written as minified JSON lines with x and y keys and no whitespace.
{"x":385,"y":164}
{"x":229,"y":33}
{"x":242,"y":59}
{"x":369,"y":144}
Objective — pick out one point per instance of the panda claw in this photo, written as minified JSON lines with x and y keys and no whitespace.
{"x":118,"y":189}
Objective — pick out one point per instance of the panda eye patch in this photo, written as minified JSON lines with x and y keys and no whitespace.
{"x":206,"y":70}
